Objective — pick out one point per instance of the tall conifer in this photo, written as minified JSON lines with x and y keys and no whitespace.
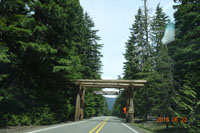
{"x":162,"y":65}
{"x":186,"y":54}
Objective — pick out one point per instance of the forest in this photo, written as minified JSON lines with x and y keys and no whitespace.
{"x":43,"y":45}
{"x":46,"y":43}
{"x":170,"y":65}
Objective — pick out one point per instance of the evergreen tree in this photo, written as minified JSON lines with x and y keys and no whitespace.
{"x":150,"y":62}
{"x":134,"y":55}
{"x":40,"y":46}
{"x":138,"y":65}
{"x":134,"y":48}
{"x":185,"y":53}
{"x":56,"y":27}
{"x":90,"y":51}
{"x":146,"y":29}
{"x":162,"y":65}
{"x":157,"y":29}
{"x":15,"y":31}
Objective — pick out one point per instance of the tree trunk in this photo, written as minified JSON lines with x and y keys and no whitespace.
{"x":146,"y":28}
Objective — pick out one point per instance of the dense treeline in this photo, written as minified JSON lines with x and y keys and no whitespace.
{"x":44,"y":44}
{"x":171,"y":68}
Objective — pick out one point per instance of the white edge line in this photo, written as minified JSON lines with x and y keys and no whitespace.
{"x":55,"y":127}
{"x":130,"y":128}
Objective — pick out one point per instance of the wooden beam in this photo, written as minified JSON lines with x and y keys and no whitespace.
{"x":104,"y":84}
{"x":112,"y":86}
{"x":112,"y":81}
{"x":101,"y":86}
{"x":96,"y":83}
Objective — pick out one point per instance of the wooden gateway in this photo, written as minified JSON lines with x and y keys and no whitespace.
{"x":128,"y":85}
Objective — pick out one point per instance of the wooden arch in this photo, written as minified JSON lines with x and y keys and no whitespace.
{"x":128,"y":85}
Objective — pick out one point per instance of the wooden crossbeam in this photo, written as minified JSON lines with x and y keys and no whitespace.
{"x":111,"y":81}
{"x":94,"y":83}
{"x":107,"y":86}
{"x":111,"y":86}
{"x":91,"y":83}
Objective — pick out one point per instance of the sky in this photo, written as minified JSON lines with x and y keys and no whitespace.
{"x":113,"y":18}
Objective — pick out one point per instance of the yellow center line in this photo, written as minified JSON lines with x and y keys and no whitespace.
{"x":99,"y":125}
{"x":102,"y":125}
{"x":96,"y":127}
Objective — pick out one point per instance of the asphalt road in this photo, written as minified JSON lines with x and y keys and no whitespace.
{"x":102,"y":124}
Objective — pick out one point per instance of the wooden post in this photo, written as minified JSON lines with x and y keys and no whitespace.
{"x":129,"y":105}
{"x":82,"y":103}
{"x":130,"y":109}
{"x":80,"y":99}
{"x":77,"y":110}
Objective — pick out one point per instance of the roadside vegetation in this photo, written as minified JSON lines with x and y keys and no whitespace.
{"x":170,"y":65}
{"x":43,"y":45}
{"x":154,"y":127}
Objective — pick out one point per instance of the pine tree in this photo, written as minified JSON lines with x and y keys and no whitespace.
{"x":146,"y":29}
{"x":137,"y":65}
{"x":14,"y":31}
{"x":4,"y":63}
{"x":56,"y":26}
{"x":147,"y":72}
{"x":162,"y":65}
{"x":90,"y":51}
{"x":40,"y":43}
{"x":157,"y":29}
{"x":134,"y":48}
{"x":186,"y":53}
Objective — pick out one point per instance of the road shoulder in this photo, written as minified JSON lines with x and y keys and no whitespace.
{"x":135,"y":127}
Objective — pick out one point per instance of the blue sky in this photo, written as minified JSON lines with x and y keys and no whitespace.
{"x":113,"y":18}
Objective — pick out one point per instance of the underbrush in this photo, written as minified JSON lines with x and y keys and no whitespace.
{"x":155,"y":127}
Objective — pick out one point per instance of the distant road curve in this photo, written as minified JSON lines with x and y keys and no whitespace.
{"x":103,"y":124}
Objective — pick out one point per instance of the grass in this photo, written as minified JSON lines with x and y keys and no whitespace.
{"x":154,"y":127}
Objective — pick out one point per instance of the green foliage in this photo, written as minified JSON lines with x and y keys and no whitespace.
{"x":25,"y":120}
{"x":13,"y":120}
{"x":95,"y":105}
{"x":120,"y":103}
{"x":163,"y":82}
{"x":99,"y":106}
{"x":172,"y":70}
{"x":44,"y":44}
{"x":4,"y":58}
{"x":43,"y":116}
{"x":134,"y":54}
{"x":185,"y":53}
{"x":106,"y":111}
{"x":16,"y":120}
{"x":138,"y":64}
